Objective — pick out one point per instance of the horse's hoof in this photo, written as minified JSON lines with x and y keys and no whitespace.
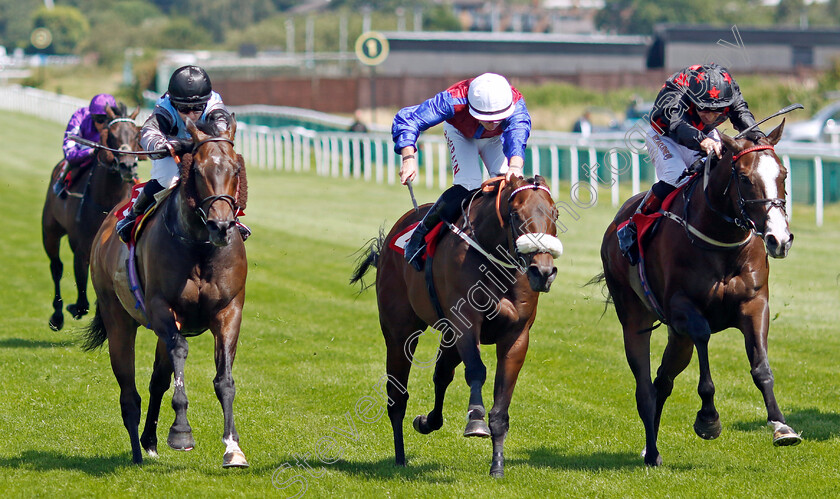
{"x":180,"y":440}
{"x":784,"y":436}
{"x":56,"y":322}
{"x":76,"y":312}
{"x":235,"y":459}
{"x":651,"y":462}
{"x":708,"y":430}
{"x":422,"y":425}
{"x":152,"y":452}
{"x":477,"y":428}
{"x":497,"y":468}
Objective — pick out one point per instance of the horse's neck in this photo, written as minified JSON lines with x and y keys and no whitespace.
{"x":106,"y":186}
{"x":181,"y":219}
{"x":488,"y":231}
{"x":706,"y":208}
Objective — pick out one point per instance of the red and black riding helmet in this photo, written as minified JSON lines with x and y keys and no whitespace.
{"x":710,"y":86}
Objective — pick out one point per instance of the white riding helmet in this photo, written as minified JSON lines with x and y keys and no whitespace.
{"x":490,"y":97}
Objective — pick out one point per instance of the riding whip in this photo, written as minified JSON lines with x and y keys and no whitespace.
{"x":97,"y":145}
{"x":411,"y":191}
{"x":786,"y":110}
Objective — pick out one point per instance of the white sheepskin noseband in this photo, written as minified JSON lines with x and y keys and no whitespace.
{"x":538,"y":242}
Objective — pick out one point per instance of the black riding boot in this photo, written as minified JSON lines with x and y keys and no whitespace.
{"x":144,"y":201}
{"x":650,"y":204}
{"x":446,"y":208}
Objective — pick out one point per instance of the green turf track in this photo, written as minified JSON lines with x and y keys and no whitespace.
{"x":310,"y":349}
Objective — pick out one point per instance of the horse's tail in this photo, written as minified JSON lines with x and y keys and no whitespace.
{"x":368,"y":257}
{"x":94,"y":335}
{"x":602,"y":280}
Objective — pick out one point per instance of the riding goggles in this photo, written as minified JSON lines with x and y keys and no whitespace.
{"x":100,"y":119}
{"x":191,"y":108}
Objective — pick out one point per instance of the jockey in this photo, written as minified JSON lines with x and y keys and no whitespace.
{"x":685,"y":115}
{"x":87,"y":122}
{"x":190,"y":95}
{"x":484,"y":117}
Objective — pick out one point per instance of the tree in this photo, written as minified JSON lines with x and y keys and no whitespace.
{"x":68,"y":27}
{"x":16,"y":22}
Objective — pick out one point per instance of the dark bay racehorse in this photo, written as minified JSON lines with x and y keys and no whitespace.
{"x":706,"y":273}
{"x":485,"y":298}
{"x":192,"y":267}
{"x":78,"y":214}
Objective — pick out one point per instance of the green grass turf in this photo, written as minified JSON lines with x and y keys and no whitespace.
{"x":310,"y":349}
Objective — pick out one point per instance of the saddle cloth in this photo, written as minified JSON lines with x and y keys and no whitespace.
{"x":124,"y":210}
{"x":645,"y":224}
{"x":399,"y":241}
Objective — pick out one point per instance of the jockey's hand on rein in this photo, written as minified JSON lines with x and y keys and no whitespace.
{"x":179,"y":146}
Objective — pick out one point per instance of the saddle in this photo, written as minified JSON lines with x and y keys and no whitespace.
{"x":125,"y":209}
{"x":646,"y":225}
{"x":65,"y":176}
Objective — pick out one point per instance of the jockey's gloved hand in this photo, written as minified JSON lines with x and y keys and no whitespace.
{"x":754,"y":135}
{"x":181,"y":146}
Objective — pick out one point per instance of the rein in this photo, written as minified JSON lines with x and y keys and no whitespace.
{"x":744,"y":221}
{"x":531,"y":241}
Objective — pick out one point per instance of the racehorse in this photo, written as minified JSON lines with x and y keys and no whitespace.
{"x":78,"y":214}
{"x":487,"y":293}
{"x":191,"y":267}
{"x":706,"y":270}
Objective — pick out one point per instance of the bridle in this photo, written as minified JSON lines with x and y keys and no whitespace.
{"x":124,"y":148}
{"x":744,"y":221}
{"x":512,"y":237}
{"x":209,"y":200}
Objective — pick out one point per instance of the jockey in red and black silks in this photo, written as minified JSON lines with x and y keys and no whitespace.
{"x":692,"y":103}
{"x":485,"y":120}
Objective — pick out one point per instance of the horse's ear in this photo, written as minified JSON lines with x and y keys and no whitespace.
{"x":730,"y":143}
{"x":135,"y":113}
{"x":194,"y":132}
{"x":232,"y":127}
{"x":109,"y":111}
{"x":538,"y":179}
{"x":776,"y":134}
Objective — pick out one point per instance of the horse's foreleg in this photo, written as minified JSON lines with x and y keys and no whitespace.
{"x":226,"y":334}
{"x":475,"y":374}
{"x":180,"y":433}
{"x":80,"y":271}
{"x":707,"y":423}
{"x":689,"y":321}
{"x":159,"y":383}
{"x":755,"y":326}
{"x":510,"y":359}
{"x":448,"y":360}
{"x":121,"y":336}
{"x":675,"y":359}
{"x":51,"y":236}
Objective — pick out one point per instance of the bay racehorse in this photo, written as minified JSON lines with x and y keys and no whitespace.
{"x":192,"y":267}
{"x":79,"y":213}
{"x":487,"y":293}
{"x":706,"y":270}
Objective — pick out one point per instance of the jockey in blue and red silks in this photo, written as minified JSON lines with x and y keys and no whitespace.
{"x":87,"y":122}
{"x":692,"y":103}
{"x":484,"y":117}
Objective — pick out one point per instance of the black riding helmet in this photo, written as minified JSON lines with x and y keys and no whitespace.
{"x":710,"y":87}
{"x":189,"y":85}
